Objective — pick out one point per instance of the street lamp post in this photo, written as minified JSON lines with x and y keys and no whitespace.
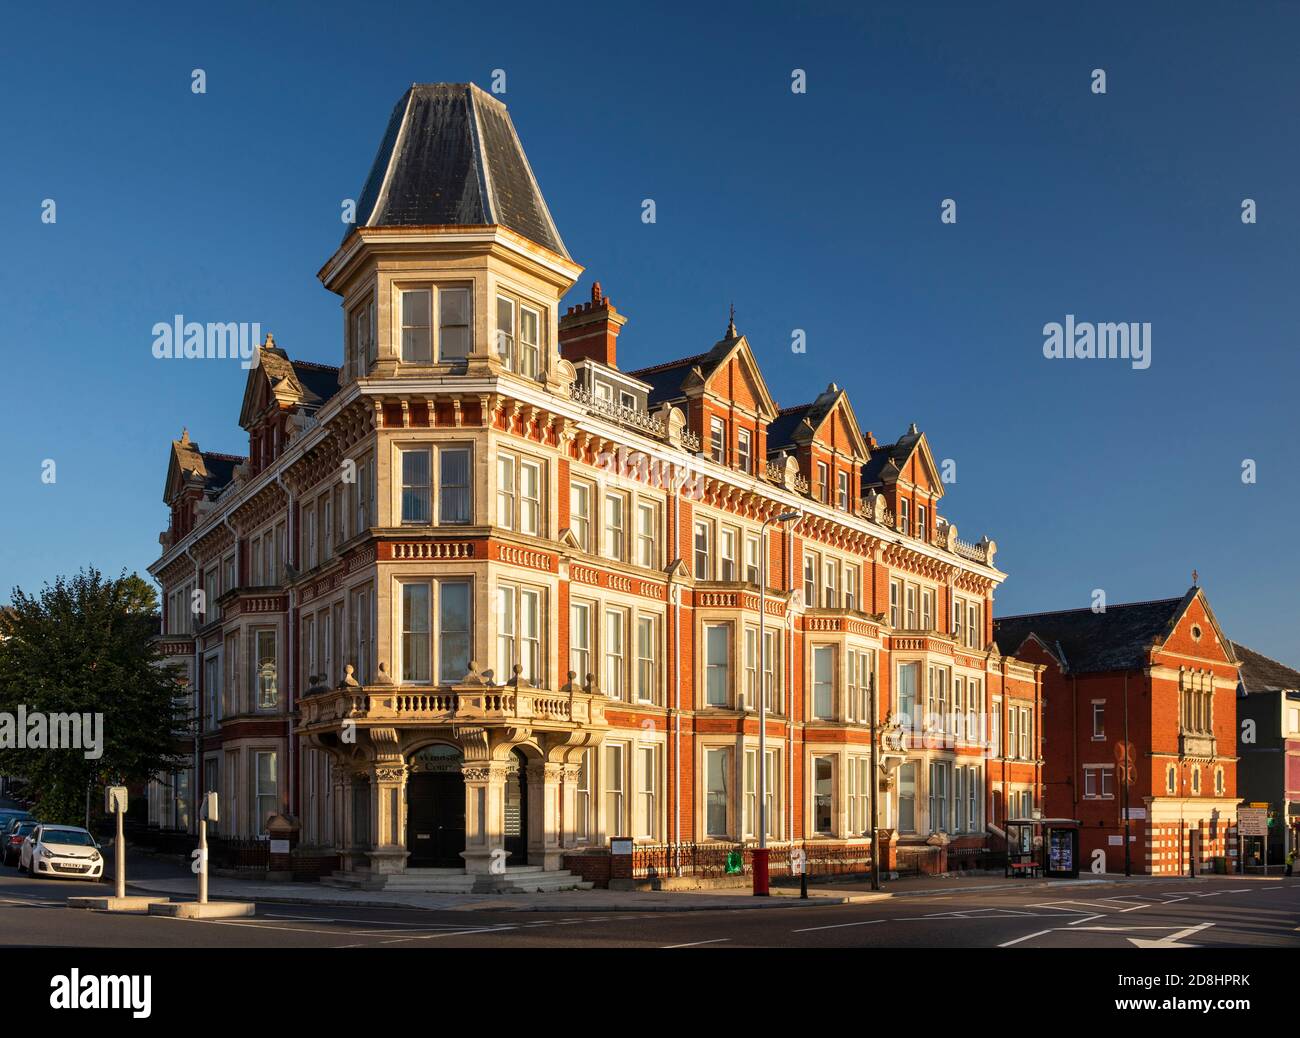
{"x":760,"y":853}
{"x":875,"y":789}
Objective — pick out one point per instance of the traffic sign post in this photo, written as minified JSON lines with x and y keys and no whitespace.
{"x":1252,"y":821}
{"x":207,"y":813}
{"x":115,"y":798}
{"x":203,"y":908}
{"x":115,"y":803}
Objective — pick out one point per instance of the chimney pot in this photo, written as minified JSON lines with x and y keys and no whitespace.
{"x":590,"y":329}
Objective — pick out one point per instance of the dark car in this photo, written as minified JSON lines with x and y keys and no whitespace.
{"x":13,"y":841}
{"x":9,"y":815}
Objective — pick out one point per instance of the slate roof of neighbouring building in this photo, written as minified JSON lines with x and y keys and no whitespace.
{"x":898,"y":452}
{"x":666,"y":380}
{"x":221,"y":469}
{"x":450,"y":156}
{"x":1259,"y":673}
{"x":1118,"y":639}
{"x":321,"y":380}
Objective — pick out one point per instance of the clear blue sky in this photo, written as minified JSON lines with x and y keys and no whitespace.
{"x":816,"y":211}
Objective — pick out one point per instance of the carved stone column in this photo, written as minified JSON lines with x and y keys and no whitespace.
{"x":388,"y":812}
{"x":485,"y":811}
{"x":569,"y":803}
{"x":544,"y":836}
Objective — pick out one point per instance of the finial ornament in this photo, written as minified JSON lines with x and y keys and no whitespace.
{"x":731,"y":323}
{"x":1195,"y":578}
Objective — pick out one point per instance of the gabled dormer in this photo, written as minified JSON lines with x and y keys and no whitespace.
{"x":193,"y":478}
{"x":724,"y":397}
{"x":279,"y":391}
{"x":454,"y":265}
{"x":825,"y":440}
{"x":904,"y":472}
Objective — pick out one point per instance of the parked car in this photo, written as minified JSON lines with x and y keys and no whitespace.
{"x":67,"y":851}
{"x":12,"y":848}
{"x":9,"y":815}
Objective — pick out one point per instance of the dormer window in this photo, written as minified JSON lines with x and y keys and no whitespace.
{"x":823,"y":482}
{"x":744,"y":450}
{"x":920,"y":522}
{"x":904,"y":515}
{"x":718,"y":440}
{"x":842,"y":491}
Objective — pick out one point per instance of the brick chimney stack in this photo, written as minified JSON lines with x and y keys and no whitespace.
{"x":590,"y":330}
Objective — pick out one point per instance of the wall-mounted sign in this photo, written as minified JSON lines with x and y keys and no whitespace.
{"x":620,"y":846}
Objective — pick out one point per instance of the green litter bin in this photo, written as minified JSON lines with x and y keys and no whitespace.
{"x":735,"y":863}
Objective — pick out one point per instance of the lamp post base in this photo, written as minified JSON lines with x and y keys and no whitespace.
{"x":760,"y":872}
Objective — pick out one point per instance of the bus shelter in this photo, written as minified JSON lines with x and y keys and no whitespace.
{"x":1043,"y":847}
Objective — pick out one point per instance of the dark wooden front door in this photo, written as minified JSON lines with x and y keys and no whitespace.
{"x":435,"y":820}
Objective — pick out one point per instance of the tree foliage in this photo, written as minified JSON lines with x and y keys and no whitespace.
{"x":85,"y":645}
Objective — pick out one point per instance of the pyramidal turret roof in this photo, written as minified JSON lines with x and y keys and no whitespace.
{"x":451,"y":157}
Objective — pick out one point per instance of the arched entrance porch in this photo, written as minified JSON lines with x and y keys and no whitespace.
{"x":435,"y":808}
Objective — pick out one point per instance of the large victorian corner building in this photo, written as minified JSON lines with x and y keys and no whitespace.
{"x":1141,"y":729}
{"x":481,"y":596}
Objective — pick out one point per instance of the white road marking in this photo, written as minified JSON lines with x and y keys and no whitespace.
{"x":1027,"y":937}
{"x":1086,"y":919}
{"x":696,"y":944}
{"x":454,"y":933}
{"x":839,"y":926}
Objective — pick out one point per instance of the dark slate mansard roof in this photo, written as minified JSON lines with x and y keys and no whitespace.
{"x":451,"y":157}
{"x":1261,"y":674}
{"x":1117,"y":639}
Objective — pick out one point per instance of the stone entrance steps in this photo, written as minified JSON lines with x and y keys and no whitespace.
{"x":521,"y":879}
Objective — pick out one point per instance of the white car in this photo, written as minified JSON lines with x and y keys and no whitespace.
{"x":61,"y":850}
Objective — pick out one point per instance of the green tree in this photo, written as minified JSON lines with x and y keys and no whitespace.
{"x":85,"y":645}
